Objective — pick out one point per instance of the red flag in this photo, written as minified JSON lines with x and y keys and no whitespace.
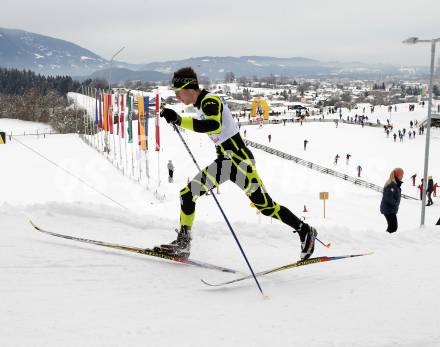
{"x":157,"y":123}
{"x":110,"y":112}
{"x":121,"y":115}
{"x":100,"y":112}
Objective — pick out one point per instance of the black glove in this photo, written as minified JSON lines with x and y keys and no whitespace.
{"x":170,"y":116}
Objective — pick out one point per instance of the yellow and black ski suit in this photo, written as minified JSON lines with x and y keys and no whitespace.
{"x":234,"y":162}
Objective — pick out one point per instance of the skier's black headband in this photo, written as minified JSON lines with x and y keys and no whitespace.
{"x":180,"y":83}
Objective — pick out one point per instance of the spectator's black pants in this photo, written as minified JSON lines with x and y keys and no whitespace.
{"x":170,"y":173}
{"x":392,"y":222}
{"x":430,"y":202}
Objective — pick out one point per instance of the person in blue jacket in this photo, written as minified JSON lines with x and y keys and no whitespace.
{"x":389,"y":206}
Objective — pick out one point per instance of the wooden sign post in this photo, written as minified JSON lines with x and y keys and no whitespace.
{"x":323,"y":196}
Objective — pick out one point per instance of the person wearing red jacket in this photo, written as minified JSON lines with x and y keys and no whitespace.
{"x":420,"y":187}
{"x":413,"y":177}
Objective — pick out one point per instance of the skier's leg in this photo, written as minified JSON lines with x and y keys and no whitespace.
{"x":249,"y":181}
{"x":211,"y":176}
{"x":245,"y":175}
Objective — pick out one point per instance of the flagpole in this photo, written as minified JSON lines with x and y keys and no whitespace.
{"x":84,"y":116}
{"x":158,"y":168}
{"x":130,"y":119}
{"x":132,"y":158}
{"x":120,"y":129}
{"x":100,"y":125}
{"x":92,"y":139}
{"x":106,"y":126}
{"x":96,"y":122}
{"x":158,"y":137}
{"x":147,"y":167}
{"x":125,"y":135}
{"x":87,"y":116}
{"x":86,"y":107}
{"x":139,"y":151}
{"x":112,"y":118}
{"x":139,"y":148}
{"x":98,"y":135}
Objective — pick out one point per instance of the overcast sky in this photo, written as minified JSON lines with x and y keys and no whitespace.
{"x":344,"y":30}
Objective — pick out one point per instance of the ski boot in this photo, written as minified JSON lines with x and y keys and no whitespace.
{"x":181,"y":246}
{"x":307,"y":234}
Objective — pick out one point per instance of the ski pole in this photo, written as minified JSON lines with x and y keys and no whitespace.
{"x":221,"y":210}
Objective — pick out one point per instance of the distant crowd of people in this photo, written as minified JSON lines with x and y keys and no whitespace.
{"x":392,"y":189}
{"x":401,"y":133}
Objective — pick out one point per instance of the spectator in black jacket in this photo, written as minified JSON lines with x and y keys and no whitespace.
{"x":429,"y":190}
{"x":389,"y":205}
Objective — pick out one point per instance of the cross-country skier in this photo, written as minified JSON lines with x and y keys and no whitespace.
{"x":234,"y":162}
{"x":359,"y":170}
{"x":347,"y":157}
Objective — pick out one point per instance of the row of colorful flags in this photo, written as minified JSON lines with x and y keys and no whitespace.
{"x":114,"y":110}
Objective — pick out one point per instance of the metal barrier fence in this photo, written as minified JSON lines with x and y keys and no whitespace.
{"x":35,"y":133}
{"x":308,"y":120}
{"x":321,"y":169}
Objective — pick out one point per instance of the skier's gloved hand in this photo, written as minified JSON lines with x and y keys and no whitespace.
{"x":170,"y":116}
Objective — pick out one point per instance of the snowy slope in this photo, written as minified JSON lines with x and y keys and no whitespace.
{"x":56,"y":292}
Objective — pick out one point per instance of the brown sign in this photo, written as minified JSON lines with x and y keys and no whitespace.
{"x":323,"y":196}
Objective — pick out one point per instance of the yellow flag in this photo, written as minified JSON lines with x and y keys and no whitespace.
{"x":141,"y":124}
{"x":105,"y":112}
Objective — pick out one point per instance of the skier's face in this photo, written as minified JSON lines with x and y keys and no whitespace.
{"x":186,"y":96}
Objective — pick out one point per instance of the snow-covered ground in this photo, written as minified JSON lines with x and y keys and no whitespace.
{"x":55,"y":292}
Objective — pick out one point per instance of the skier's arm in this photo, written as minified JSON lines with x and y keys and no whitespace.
{"x":212,"y":108}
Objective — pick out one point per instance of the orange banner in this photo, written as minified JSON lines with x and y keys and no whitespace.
{"x":105,"y":112}
{"x":141,"y":124}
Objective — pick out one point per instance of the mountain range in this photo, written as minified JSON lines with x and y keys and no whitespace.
{"x":51,"y":56}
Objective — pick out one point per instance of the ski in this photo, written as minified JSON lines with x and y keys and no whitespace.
{"x":285,"y":267}
{"x":144,"y":251}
